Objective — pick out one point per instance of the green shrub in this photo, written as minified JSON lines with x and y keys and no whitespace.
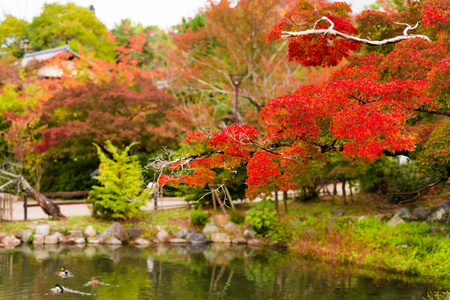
{"x":263,"y":218}
{"x":119,"y":195}
{"x":237,"y":218}
{"x":198,"y":217}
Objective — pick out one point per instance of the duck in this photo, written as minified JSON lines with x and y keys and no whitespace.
{"x":63,"y":271}
{"x":94,"y":281}
{"x":57,"y":289}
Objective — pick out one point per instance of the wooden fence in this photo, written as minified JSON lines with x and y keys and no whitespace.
{"x":6,"y":207}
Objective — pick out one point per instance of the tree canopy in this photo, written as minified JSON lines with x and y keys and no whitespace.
{"x":389,"y":97}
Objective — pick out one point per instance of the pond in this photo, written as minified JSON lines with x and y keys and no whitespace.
{"x":216,"y":271}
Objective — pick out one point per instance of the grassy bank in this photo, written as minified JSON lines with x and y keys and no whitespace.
{"x":360,"y":238}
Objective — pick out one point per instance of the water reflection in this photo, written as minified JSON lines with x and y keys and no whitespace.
{"x":217,"y":271}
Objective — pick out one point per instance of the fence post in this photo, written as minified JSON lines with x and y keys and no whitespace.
{"x":25,"y":200}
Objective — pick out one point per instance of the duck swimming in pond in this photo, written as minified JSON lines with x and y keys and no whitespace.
{"x":57,"y":289}
{"x":94,"y":281}
{"x":63,"y":271}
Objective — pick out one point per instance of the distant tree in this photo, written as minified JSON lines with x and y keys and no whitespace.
{"x":60,"y":24}
{"x":12,"y":34}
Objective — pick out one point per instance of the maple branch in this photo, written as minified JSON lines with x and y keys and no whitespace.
{"x":419,"y":192}
{"x":330,"y":30}
{"x":435,"y":112}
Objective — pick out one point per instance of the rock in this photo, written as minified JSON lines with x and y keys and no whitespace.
{"x":405,"y":214}
{"x":229,"y":226}
{"x":254,"y":241}
{"x":18,"y":234}
{"x":183,"y":233}
{"x":380,"y":217}
{"x":113,"y":241}
{"x":440,"y":215}
{"x":93,"y":241}
{"x":445,"y":231}
{"x":90,"y":231}
{"x":51,"y":239}
{"x":38,"y":239}
{"x":61,"y":237}
{"x":220,"y":237}
{"x":433,"y":230}
{"x":444,"y":204}
{"x":120,"y":232}
{"x":422,"y":212}
{"x":26,"y":235}
{"x":177,"y":241}
{"x":210,"y":228}
{"x":361,"y":218}
{"x":239,"y":240}
{"x":10,"y":240}
{"x":249,"y":233}
{"x":337,"y":213}
{"x":43,"y":229}
{"x":141,"y":242}
{"x":134,"y":232}
{"x":75,"y":233}
{"x":80,"y":241}
{"x":396,"y":219}
{"x":162,"y":236}
{"x":197,"y":238}
{"x":237,"y":232}
{"x":71,"y":240}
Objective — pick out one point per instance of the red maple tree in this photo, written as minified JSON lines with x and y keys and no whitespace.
{"x":391,"y":97}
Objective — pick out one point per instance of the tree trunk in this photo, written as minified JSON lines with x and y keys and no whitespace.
{"x":276,"y":203}
{"x":334,"y":187}
{"x":285,"y":196}
{"x":344,"y":192}
{"x":46,"y":204}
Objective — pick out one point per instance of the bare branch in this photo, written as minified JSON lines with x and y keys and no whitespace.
{"x":330,"y":30}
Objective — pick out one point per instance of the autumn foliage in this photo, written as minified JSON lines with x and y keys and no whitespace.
{"x":378,"y":103}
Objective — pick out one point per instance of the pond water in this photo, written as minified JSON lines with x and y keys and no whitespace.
{"x":214,"y":271}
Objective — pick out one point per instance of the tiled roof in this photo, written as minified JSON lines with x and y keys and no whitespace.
{"x":46,"y":54}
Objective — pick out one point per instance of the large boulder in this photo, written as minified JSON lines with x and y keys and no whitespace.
{"x":10,"y":241}
{"x":440,"y":215}
{"x":134,"y":232}
{"x":396,"y":219}
{"x":229,"y":226}
{"x":183,"y":233}
{"x":422,"y":212}
{"x":51,"y":239}
{"x":405,"y":214}
{"x":116,"y":230}
{"x":90,"y":231}
{"x":43,"y":229}
{"x":80,"y":241}
{"x":162,"y":236}
{"x":26,"y":235}
{"x":197,"y":238}
{"x":38,"y":239}
{"x":141,"y":242}
{"x":220,"y":237}
{"x":210,"y":228}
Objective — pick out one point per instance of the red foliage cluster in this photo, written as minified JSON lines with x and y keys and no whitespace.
{"x":314,"y":50}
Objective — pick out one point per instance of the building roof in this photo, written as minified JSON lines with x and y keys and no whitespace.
{"x":47,"y":54}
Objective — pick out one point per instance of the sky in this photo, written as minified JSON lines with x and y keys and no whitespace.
{"x":164,"y":13}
